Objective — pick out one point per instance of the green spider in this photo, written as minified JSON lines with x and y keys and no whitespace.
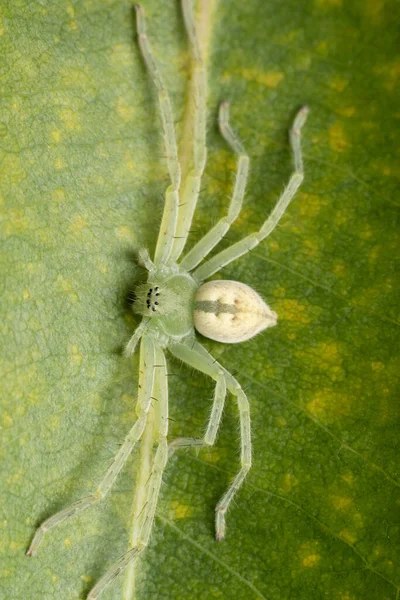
{"x":175,"y":301}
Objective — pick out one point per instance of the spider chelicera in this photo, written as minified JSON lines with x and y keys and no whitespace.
{"x":175,"y":301}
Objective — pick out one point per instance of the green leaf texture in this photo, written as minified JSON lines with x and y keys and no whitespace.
{"x":83,"y":174}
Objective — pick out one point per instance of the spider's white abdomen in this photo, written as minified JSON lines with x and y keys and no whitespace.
{"x":231,"y":312}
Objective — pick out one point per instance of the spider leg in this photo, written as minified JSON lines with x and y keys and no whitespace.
{"x":213,"y":423}
{"x":215,"y":235}
{"x":197,"y":357}
{"x":170,"y":215}
{"x":152,"y":487}
{"x":216,"y":412}
{"x":198,"y":97}
{"x":249,"y":242}
{"x":133,"y":342}
{"x":146,"y":376}
{"x":144,"y":260}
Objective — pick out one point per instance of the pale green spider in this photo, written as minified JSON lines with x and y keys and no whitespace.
{"x":175,"y":301}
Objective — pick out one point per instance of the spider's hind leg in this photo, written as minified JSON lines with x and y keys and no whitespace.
{"x":197,"y":357}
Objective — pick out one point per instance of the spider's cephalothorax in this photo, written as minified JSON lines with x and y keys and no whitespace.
{"x":169,"y":302}
{"x":176,"y":300}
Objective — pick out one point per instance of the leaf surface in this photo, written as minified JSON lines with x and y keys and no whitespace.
{"x":83,"y":174}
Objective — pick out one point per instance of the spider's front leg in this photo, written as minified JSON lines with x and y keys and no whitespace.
{"x":145,"y":261}
{"x":146,"y":377}
{"x":216,"y":233}
{"x":193,"y":354}
{"x":246,"y":244}
{"x":152,"y":486}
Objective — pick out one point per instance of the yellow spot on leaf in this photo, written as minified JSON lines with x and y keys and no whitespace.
{"x":56,"y":136}
{"x":312,"y":247}
{"x":58,"y":195}
{"x":124,"y":233}
{"x":337,"y":137}
{"x":274,"y":245}
{"x":213,"y":456}
{"x":366,"y":231}
{"x":338,"y":84}
{"x":76,"y":356}
{"x":70,"y":118}
{"x":270,"y":79}
{"x":348,"y":536}
{"x":346,"y":111}
{"x":339,"y":269}
{"x":322,"y":47}
{"x":281,"y":421}
{"x":86,"y":578}
{"x":288,"y":482}
{"x":373,"y":254}
{"x":14,"y":546}
{"x":26,"y":294}
{"x":54,"y":578}
{"x":72,"y":25}
{"x":67,"y":543}
{"x":309,"y":205}
{"x":180,"y":511}
{"x":125,"y":110}
{"x":328,"y":405}
{"x":374,"y":9}
{"x":348,"y":477}
{"x":17,"y":222}
{"x":71,"y":11}
{"x":78,"y":223}
{"x":64,"y":284}
{"x":341,"y":503}
{"x":311,"y":560}
{"x":303,"y":60}
{"x":308,"y":553}
{"x":103,"y":268}
{"x":15,"y":477}
{"x":358,"y":519}
{"x":344,"y":215}
{"x":59,"y":163}
{"x":53,"y":422}
{"x":390,"y":74}
{"x":377,"y":367}
{"x":128,"y":399}
{"x":95,"y":400}
{"x":12,"y":169}
{"x":293,"y":310}
{"x":121,"y":55}
{"x":328,"y":352}
{"x":7,"y":419}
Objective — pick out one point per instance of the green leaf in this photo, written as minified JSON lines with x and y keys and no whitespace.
{"x":82,"y":182}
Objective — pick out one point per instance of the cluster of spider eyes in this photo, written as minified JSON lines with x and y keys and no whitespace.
{"x":149,"y":298}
